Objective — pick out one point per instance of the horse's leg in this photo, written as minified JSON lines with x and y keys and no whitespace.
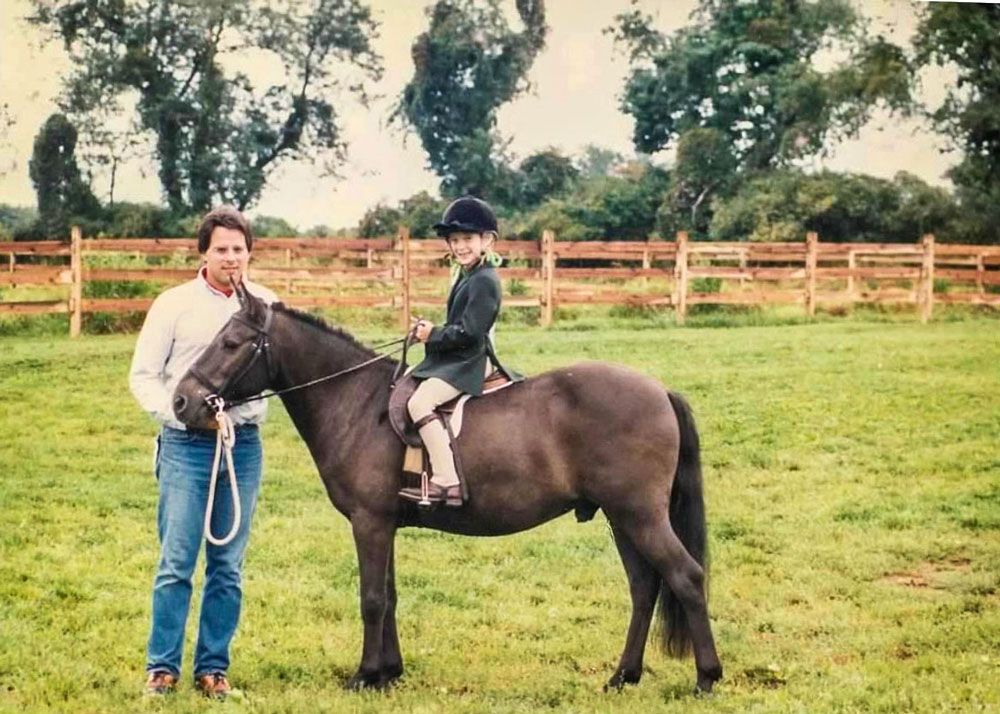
{"x":373,"y":541}
{"x":643,"y":583}
{"x":392,"y":658}
{"x":655,"y":539}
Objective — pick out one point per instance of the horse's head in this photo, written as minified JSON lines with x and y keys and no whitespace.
{"x":237,"y":364}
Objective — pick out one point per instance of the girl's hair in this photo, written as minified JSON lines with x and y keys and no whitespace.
{"x":226,"y":217}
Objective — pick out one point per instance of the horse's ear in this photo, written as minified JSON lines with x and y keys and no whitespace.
{"x":241,"y":292}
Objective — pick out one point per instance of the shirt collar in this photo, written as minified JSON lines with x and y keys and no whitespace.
{"x":203,"y":273}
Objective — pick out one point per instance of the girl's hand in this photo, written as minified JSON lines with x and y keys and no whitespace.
{"x":422,"y":330}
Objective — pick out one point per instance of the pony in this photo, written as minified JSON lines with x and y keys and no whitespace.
{"x":585,"y":437}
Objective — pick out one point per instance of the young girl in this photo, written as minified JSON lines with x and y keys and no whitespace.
{"x":459,"y":354}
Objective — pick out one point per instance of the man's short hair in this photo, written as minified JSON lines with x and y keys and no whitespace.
{"x":227,"y":217}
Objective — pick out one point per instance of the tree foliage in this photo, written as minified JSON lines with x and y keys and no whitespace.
{"x":379,"y":221}
{"x":467,"y":64}
{"x":62,"y":193}
{"x":218,"y":137}
{"x":619,"y":207}
{"x":785,"y":205}
{"x":543,"y":175}
{"x":418,"y":212}
{"x":964,"y":36}
{"x":705,"y":166}
{"x":747,"y":70}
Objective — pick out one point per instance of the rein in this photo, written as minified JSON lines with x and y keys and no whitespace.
{"x":311,"y":382}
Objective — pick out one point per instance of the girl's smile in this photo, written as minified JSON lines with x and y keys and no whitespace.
{"x":468,"y":247}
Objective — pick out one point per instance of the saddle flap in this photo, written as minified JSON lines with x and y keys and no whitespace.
{"x":399,"y":417}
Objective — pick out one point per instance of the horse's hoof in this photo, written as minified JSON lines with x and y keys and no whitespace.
{"x":706,"y":680}
{"x":618,"y":681}
{"x":704,"y":686}
{"x":361,"y":682}
{"x":389,"y":676}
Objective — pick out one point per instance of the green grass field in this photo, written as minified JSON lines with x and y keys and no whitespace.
{"x":853,"y":484}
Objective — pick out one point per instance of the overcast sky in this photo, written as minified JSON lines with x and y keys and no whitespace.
{"x":576,"y":81}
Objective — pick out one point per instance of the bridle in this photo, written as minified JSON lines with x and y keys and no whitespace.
{"x":226,"y":435}
{"x":261,"y":351}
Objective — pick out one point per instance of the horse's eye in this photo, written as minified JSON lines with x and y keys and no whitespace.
{"x":230,"y":344}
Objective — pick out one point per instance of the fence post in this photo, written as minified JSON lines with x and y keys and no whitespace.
{"x":812,"y":243}
{"x":288,"y":265}
{"x":404,"y":240}
{"x":927,"y":278}
{"x":76,"y":291}
{"x":12,"y":262}
{"x":548,"y":277}
{"x":980,"y":269}
{"x":647,"y":262}
{"x":681,"y":277}
{"x":852,"y":264}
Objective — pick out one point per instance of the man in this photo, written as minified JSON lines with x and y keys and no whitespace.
{"x":179,"y":326}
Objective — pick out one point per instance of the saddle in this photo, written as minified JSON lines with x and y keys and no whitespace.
{"x":451,"y":411}
{"x":417,"y":461}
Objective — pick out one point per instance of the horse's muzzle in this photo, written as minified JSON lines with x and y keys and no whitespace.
{"x":189,"y":404}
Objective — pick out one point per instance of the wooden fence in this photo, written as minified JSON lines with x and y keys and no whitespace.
{"x":405,"y":275}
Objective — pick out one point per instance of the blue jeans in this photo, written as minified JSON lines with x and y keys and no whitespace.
{"x":183,"y":469}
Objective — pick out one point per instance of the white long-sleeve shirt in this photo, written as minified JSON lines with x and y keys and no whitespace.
{"x":182,"y":322}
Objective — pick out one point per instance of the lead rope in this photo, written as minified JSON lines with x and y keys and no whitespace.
{"x":224,"y":441}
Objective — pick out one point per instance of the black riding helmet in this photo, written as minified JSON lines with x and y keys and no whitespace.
{"x":467,"y":214}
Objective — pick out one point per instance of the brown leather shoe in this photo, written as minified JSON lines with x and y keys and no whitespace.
{"x":448,"y":495}
{"x":160,"y":683}
{"x":214,"y":684}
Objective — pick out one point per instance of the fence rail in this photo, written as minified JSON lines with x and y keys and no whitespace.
{"x":395,"y":273}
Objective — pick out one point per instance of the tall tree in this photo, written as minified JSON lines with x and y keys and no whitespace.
{"x":218,"y":136}
{"x":965,"y":37}
{"x":747,"y":70}
{"x":705,"y":166}
{"x":61,"y":192}
{"x":466,"y":65}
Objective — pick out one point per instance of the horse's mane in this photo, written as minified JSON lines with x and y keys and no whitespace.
{"x":321,"y":324}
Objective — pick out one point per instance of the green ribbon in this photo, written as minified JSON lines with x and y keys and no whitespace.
{"x":455,"y":270}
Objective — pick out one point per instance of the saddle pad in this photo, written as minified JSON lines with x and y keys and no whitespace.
{"x":459,"y":409}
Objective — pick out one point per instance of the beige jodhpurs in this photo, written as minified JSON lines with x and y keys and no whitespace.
{"x":430,"y":394}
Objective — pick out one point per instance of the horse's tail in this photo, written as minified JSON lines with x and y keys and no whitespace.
{"x":687,"y":517}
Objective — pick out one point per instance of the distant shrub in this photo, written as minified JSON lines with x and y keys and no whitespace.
{"x":107,"y":289}
{"x":706,"y":285}
{"x":516,"y":287}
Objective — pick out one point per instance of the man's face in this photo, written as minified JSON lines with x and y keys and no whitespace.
{"x":227,"y":257}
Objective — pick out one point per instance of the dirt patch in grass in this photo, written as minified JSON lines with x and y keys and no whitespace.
{"x":927,"y":573}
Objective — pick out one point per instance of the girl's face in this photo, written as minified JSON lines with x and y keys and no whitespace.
{"x":468,"y":248}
